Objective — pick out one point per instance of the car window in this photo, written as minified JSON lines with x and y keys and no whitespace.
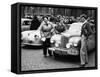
{"x":26,"y":23}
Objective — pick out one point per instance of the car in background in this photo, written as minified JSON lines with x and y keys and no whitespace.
{"x":69,"y":42}
{"x":25,"y":24}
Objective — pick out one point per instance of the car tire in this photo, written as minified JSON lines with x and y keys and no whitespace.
{"x":55,"y":55}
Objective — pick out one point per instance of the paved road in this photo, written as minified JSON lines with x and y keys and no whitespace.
{"x":33,"y":59}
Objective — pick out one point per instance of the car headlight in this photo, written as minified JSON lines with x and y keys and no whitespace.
{"x":75,"y":44}
{"x":52,"y":41}
{"x":68,"y":45}
{"x":56,"y":45}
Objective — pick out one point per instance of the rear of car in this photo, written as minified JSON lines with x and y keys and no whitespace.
{"x":31,"y":37}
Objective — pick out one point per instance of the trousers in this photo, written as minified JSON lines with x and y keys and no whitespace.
{"x":46,"y":44}
{"x":83,"y":51}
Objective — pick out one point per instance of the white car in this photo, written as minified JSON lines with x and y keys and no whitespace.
{"x":31,"y":37}
{"x":68,"y":42}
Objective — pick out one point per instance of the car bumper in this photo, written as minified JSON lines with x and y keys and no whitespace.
{"x":65,"y":51}
{"x":31,"y":43}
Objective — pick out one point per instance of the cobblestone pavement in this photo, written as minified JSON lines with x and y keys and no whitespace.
{"x":33,"y":59}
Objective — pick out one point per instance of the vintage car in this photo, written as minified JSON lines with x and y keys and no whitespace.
{"x":25,"y":24}
{"x":31,"y":37}
{"x":68,"y":42}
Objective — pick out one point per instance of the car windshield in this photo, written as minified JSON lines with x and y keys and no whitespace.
{"x":75,"y":28}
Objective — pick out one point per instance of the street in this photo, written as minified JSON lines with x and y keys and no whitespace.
{"x":33,"y":59}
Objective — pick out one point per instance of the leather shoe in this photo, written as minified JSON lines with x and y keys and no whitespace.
{"x":82,"y":65}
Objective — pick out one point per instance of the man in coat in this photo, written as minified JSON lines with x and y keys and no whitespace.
{"x":85,"y":32}
{"x":35,"y":23}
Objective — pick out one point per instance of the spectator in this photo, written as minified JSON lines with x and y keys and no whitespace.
{"x":85,"y":32}
{"x":35,"y":23}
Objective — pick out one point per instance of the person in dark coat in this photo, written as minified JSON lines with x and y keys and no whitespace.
{"x":35,"y":23}
{"x":85,"y":33}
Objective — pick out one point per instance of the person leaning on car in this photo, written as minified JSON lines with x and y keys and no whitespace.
{"x":46,"y":29}
{"x":85,"y":32}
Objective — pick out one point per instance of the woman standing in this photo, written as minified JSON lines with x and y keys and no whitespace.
{"x":46,"y":29}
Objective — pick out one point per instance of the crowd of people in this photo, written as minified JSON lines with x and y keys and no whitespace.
{"x":65,"y":20}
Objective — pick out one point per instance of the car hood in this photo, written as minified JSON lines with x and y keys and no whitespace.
{"x":74,"y":30}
